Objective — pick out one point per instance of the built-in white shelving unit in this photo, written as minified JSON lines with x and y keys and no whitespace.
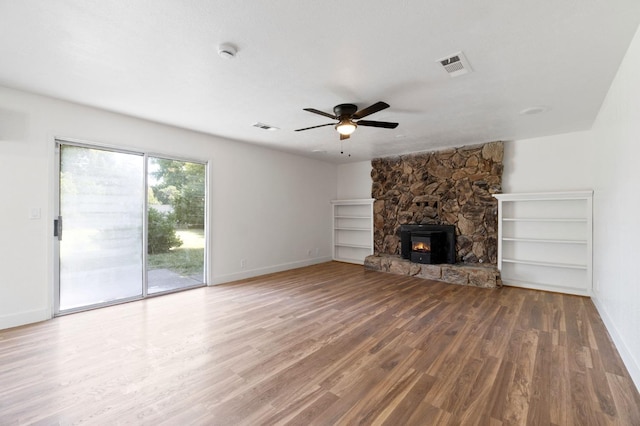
{"x":352,"y":230}
{"x":545,"y":241}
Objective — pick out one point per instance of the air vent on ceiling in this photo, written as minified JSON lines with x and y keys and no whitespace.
{"x":264,"y":126}
{"x":455,"y":64}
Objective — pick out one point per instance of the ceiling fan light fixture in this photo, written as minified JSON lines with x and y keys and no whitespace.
{"x":346,"y":127}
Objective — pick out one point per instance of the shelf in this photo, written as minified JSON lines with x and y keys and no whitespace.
{"x":538,"y":285}
{"x":546,"y":264}
{"x":361,"y":246}
{"x":538,"y":240}
{"x":555,"y":229}
{"x":352,"y":230}
{"x":545,"y":196}
{"x":349,"y":260}
{"x":354,"y":202}
{"x":551,"y":219}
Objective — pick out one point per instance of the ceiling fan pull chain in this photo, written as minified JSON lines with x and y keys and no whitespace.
{"x":342,"y":149}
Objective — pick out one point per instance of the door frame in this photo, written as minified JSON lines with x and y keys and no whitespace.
{"x":58,"y":141}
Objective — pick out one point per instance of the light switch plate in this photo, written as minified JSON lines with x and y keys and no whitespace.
{"x":34,"y":213}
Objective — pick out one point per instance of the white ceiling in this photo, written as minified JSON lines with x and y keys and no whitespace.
{"x":157,"y":59}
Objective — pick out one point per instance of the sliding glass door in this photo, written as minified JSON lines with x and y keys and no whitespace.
{"x":101,"y":226}
{"x":176,"y":218}
{"x":129,"y":226}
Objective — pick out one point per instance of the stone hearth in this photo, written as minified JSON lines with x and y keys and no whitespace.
{"x":477,"y":275}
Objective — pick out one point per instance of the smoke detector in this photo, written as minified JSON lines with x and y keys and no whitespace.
{"x":455,"y":64}
{"x":227,"y":51}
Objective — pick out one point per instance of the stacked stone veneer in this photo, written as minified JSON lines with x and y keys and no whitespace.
{"x":451,"y":187}
{"x":476,"y":275}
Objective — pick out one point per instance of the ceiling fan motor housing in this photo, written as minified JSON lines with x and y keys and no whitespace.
{"x":345,"y":109}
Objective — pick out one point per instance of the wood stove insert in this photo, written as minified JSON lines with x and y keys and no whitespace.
{"x":431,"y":244}
{"x":427,"y":247}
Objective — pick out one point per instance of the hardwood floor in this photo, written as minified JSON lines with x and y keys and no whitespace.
{"x":328,"y":344}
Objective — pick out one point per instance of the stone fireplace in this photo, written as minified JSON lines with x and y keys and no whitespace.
{"x":451,"y":188}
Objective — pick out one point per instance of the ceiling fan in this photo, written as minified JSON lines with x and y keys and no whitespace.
{"x":347,"y":113}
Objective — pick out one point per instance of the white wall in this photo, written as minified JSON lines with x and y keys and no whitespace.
{"x":267,"y":207}
{"x":616,"y":210}
{"x":553,"y":163}
{"x":547,"y":164}
{"x":354,"y":180}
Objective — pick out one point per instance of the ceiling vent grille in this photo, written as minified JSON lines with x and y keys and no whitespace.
{"x":264,"y":126}
{"x":455,"y":64}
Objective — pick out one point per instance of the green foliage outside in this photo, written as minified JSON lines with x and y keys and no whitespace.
{"x":162,"y":235}
{"x":185,"y":261}
{"x":181,"y":185}
{"x":188,"y":259}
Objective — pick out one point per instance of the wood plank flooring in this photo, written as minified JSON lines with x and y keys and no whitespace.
{"x":322,"y":345}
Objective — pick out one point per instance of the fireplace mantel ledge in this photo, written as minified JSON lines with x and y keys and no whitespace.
{"x":476,"y":275}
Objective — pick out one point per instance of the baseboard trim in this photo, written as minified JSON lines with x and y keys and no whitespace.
{"x":632,"y":364}
{"x":23,"y":318}
{"x":221,"y":279}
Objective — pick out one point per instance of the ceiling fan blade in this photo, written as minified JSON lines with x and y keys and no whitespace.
{"x":343,"y":137}
{"x":313,"y":127}
{"x":384,"y":124}
{"x":378,"y":106}
{"x":315,"y":111}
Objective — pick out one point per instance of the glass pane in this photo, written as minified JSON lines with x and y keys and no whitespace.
{"x":176,"y":216}
{"x":101,"y":203}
